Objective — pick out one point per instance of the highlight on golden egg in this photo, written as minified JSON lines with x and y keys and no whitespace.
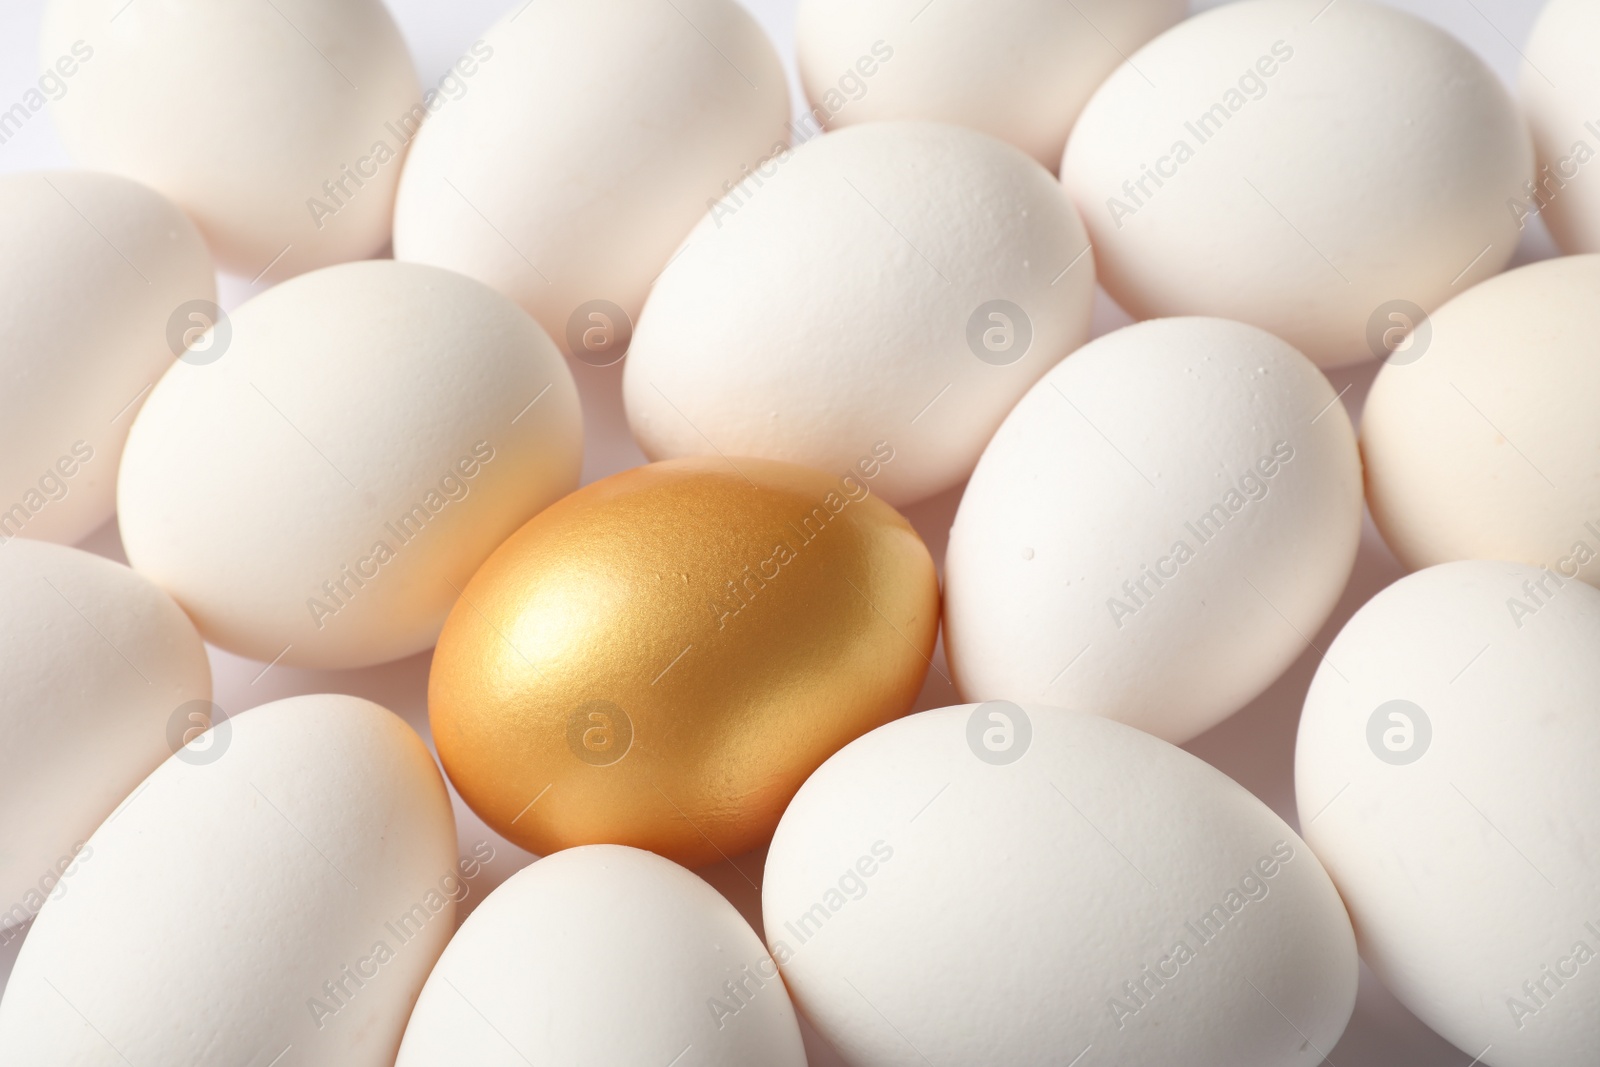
{"x":661,"y":658}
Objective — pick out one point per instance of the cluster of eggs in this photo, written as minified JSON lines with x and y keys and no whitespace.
{"x":716,"y":652}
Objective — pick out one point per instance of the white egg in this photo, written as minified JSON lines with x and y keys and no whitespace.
{"x":319,"y":489}
{"x":1156,"y":530}
{"x":596,"y":135}
{"x":997,"y":883}
{"x":1303,"y":166}
{"x":1560,"y":88}
{"x":278,"y":126}
{"x":889,"y":290}
{"x":1019,"y":71}
{"x":1480,"y":438}
{"x":1445,"y":775}
{"x":281,"y":888}
{"x":102,"y":278}
{"x":100,"y":673}
{"x":598,"y":956}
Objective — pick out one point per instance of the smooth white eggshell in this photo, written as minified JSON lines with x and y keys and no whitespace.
{"x":1560,"y":89}
{"x":594,"y":138}
{"x":1065,"y":581}
{"x":347,"y":399}
{"x":1373,"y":164}
{"x":931,"y":906}
{"x":1471,"y":868}
{"x":94,"y":267}
{"x":1483,"y":443}
{"x":1019,"y":71}
{"x":598,"y":956}
{"x":96,"y":666}
{"x":828,"y":310}
{"x":224,"y":894}
{"x":241,"y":111}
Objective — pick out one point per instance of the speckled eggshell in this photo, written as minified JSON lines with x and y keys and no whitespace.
{"x":594,"y":138}
{"x":891,"y":285}
{"x":1560,"y":89}
{"x":1017,"y":71}
{"x":598,"y":956}
{"x":1483,"y":443}
{"x":94,"y":268}
{"x":99,"y":672}
{"x":287,"y":886}
{"x":1156,"y":530}
{"x":1019,"y":884}
{"x":1301,"y":166}
{"x":278,"y":126}
{"x":321,"y":490}
{"x":1445,"y":775}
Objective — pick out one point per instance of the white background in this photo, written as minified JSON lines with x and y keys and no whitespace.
{"x":1255,"y":747}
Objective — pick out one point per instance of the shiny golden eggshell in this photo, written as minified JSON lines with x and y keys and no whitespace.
{"x":663,"y":657}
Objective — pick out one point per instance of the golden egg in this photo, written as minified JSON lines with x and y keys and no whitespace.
{"x":663,"y":657}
